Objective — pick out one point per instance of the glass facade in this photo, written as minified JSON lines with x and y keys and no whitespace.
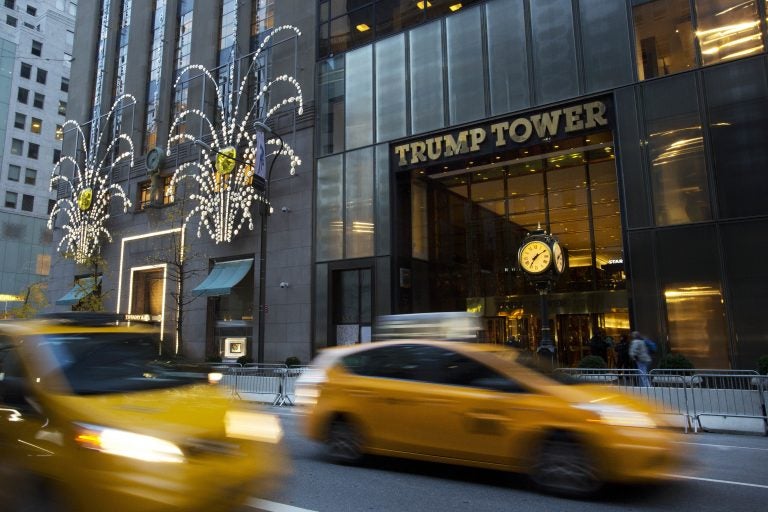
{"x":181,"y":58}
{"x":672,"y":173}
{"x":155,"y":72}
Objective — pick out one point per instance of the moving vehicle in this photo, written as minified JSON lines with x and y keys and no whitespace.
{"x":91,"y":420}
{"x":478,"y":405}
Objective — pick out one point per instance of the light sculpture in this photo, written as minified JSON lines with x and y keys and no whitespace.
{"x":224,"y":176}
{"x":87,"y":208}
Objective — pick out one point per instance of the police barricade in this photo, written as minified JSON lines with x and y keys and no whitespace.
{"x":669,"y":400}
{"x":292,"y":374}
{"x":257,"y":382}
{"x":729,"y":400}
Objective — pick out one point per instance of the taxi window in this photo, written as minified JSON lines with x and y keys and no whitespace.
{"x":104,"y":363}
{"x":12,"y":376}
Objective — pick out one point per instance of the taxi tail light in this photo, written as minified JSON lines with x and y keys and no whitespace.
{"x":126,"y":444}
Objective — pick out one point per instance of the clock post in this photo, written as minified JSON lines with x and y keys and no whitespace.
{"x":542,"y":260}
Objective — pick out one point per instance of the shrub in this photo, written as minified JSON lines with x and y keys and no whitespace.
{"x":292,"y":361}
{"x":243,"y":360}
{"x":592,"y":362}
{"x":762,"y":365}
{"x":675,"y":362}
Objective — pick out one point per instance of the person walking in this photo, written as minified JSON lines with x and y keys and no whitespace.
{"x":622,"y":352}
{"x":638,"y":352}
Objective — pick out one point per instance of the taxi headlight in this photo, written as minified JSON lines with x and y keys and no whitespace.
{"x":619,"y":416}
{"x":127,"y":444}
{"x":255,"y":426}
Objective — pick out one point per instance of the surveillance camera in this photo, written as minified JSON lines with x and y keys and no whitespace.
{"x":283,"y":284}
{"x":285,"y":209}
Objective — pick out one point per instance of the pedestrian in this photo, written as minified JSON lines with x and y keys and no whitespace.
{"x":638,"y":352}
{"x":598,"y":346}
{"x":622,"y":352}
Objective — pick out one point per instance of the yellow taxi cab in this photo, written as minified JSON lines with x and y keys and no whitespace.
{"x":91,"y":421}
{"x":479,"y":405}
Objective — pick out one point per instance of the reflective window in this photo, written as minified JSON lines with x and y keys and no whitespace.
{"x":606,"y":52}
{"x":11,"y":198}
{"x":737,"y":98}
{"x":426,"y":63}
{"x":554,"y":50}
{"x":358,"y":196}
{"x":26,"y":70}
{"x":20,"y":121}
{"x":329,"y":228}
{"x":30,"y":176}
{"x":675,"y":147}
{"x":663,"y":38}
{"x":181,"y":59}
{"x":155,"y":70}
{"x":390,"y":89}
{"x":508,"y":76}
{"x":331,"y":116}
{"x":14,"y":172}
{"x":27,"y":203}
{"x":17,"y":147}
{"x":464,"y":52}
{"x":39,"y":100}
{"x":359,"y":98}
{"x":395,"y":15}
{"x":727,"y":29}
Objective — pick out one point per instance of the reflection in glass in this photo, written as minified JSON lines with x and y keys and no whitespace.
{"x":330,"y":221}
{"x":358,"y":195}
{"x":390,"y":88}
{"x":663,"y":38}
{"x":466,"y":89}
{"x":331,"y":117}
{"x":696,"y":317}
{"x":359,"y":97}
{"x":426,"y":62}
{"x":727,"y":29}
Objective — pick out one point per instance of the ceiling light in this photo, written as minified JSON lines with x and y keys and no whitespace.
{"x":362,"y":27}
{"x":420,"y":4}
{"x":455,"y":7}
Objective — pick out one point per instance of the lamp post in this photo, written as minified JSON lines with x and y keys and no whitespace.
{"x":265,"y":212}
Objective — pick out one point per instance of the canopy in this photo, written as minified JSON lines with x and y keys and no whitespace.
{"x":83,"y":287}
{"x":224,"y":276}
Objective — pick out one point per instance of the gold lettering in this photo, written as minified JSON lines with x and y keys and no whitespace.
{"x":498,"y":131}
{"x":572,"y":120}
{"x":400,"y":150}
{"x":527,"y":130}
{"x":434,"y":148}
{"x":456,"y":147}
{"x":595,"y":114}
{"x":417,"y":152}
{"x":478,"y":136}
{"x":546,"y":123}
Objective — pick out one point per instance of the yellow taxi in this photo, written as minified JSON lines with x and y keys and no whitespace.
{"x":479,"y":405}
{"x":90,"y":420}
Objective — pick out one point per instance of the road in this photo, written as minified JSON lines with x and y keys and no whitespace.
{"x":728,"y":472}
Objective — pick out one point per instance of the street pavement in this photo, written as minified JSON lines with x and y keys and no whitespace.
{"x":727,"y":472}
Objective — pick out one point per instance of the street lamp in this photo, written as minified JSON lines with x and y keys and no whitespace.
{"x":266,"y":130}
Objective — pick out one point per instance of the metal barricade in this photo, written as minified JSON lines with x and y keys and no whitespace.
{"x":259,"y":382}
{"x":729,"y":395}
{"x":292,"y":374}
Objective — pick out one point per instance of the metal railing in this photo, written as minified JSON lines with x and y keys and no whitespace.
{"x":270,"y":383}
{"x":690,"y":394}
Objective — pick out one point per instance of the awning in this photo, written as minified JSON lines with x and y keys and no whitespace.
{"x":223,"y":277}
{"x":83,"y":287}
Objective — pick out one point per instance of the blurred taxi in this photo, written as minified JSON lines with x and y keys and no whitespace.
{"x":89,"y":420}
{"x":478,"y":405}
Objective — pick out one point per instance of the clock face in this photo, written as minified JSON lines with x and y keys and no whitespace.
{"x":559,"y":257}
{"x":225,"y":160}
{"x":535,"y":257}
{"x":154,"y":157}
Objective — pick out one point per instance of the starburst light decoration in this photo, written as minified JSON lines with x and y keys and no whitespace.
{"x":225,"y":175}
{"x":87,"y":207}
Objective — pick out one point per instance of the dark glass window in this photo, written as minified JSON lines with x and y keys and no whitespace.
{"x":30,"y":176}
{"x":331,"y":106}
{"x":10,"y":20}
{"x":508,"y":76}
{"x":554,"y":50}
{"x":727,"y":29}
{"x":42,"y":76}
{"x":62,"y":108}
{"x":14,"y":171}
{"x":11,"y":198}
{"x":692,"y":293}
{"x":395,"y":15}
{"x":23,"y":95}
{"x":39,"y":101}
{"x":27,"y":203}
{"x":51,"y":204}
{"x":31,"y":10}
{"x":737,"y":98}
{"x":33,"y":150}
{"x":37,"y":48}
{"x":20,"y":121}
{"x":56,"y":155}
{"x":26,"y":70}
{"x":65,"y":84}
{"x":747,"y":277}
{"x":675,"y":147}
{"x":605,"y":45}
{"x":11,"y":4}
{"x":664,"y":38}
{"x":17,"y":147}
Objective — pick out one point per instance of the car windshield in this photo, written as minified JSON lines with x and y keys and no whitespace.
{"x":104,"y":363}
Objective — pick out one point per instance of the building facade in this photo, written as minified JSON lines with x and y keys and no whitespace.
{"x":36,"y":40}
{"x":204,"y":287}
{"x":631,"y":130}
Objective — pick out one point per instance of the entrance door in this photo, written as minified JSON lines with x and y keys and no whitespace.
{"x":352,"y":303}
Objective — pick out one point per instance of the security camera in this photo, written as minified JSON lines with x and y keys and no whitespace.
{"x":283,"y":284}
{"x":285,"y":209}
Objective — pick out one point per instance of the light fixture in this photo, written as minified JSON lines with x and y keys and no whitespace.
{"x":421,"y":4}
{"x":362,"y":27}
{"x":455,"y":7}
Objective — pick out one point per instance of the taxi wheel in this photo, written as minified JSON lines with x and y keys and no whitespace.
{"x":564,"y":467}
{"x":344,"y":442}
